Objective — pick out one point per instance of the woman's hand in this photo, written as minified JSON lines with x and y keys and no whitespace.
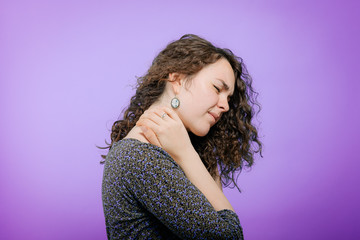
{"x":162,"y":127}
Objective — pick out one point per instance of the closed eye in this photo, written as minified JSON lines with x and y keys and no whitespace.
{"x":217,"y":89}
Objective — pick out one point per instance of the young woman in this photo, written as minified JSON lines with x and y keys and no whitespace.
{"x":187,"y":130}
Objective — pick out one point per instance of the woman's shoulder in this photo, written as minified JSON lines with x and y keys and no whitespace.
{"x":131,"y":150}
{"x":132,"y":145}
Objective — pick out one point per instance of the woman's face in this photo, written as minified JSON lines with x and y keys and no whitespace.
{"x":205,"y":98}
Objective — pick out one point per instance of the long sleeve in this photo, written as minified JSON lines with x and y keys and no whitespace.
{"x":162,"y":188}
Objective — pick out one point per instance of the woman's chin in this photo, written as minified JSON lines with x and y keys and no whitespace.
{"x":200,"y":132}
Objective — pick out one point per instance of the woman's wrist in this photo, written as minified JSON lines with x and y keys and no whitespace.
{"x":186,"y":155}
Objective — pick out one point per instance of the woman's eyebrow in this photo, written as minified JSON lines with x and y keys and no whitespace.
{"x":224,"y":84}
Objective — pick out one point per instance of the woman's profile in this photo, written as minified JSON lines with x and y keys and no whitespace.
{"x":186,"y":132}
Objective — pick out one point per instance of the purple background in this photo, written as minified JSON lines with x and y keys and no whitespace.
{"x":66,"y":68}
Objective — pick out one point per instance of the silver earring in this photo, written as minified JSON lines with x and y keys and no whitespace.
{"x":175,"y":102}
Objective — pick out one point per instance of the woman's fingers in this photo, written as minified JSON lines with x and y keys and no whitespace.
{"x":155,"y":115}
{"x":150,"y":136}
{"x":171,"y":113}
{"x":149,"y":123}
{"x":159,"y":112}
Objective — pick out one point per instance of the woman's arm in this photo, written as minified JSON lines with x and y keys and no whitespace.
{"x":196,"y":172}
{"x":218,"y":179}
{"x":170,"y":134}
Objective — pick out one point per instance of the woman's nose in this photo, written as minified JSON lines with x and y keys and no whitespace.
{"x":223,"y":104}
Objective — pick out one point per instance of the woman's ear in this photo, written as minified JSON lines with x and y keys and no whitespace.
{"x":176,"y":80}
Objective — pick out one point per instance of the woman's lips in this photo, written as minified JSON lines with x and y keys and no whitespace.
{"x":214,"y":116}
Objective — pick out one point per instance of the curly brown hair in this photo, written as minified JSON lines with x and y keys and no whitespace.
{"x":229,"y":143}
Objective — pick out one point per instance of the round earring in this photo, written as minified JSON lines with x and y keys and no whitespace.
{"x":175,"y":102}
